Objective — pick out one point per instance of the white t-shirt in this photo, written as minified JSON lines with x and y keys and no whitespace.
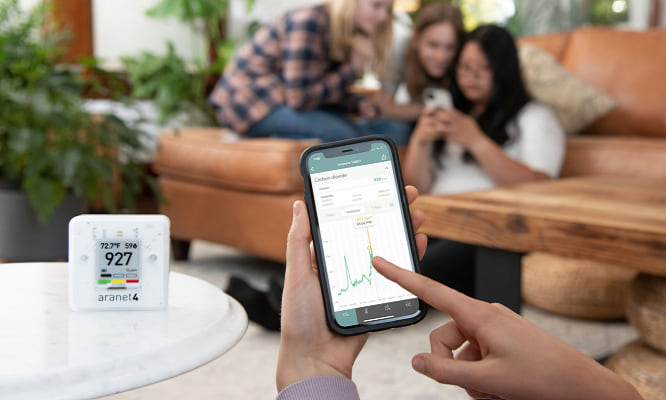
{"x":536,"y":139}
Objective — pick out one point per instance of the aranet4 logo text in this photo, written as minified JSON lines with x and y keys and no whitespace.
{"x":120,"y":298}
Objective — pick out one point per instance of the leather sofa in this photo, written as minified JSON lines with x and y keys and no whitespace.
{"x":239,"y":192}
{"x":628,"y":66}
{"x":233,"y":192}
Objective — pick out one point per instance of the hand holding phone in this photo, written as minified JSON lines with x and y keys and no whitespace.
{"x":358,"y":209}
{"x":434,"y":98}
{"x":304,"y":334}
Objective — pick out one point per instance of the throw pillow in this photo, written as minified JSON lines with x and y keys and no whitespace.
{"x":575,"y":102}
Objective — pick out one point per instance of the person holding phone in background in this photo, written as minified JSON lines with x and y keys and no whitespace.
{"x":496,"y":135}
{"x":291,"y":80}
{"x":500,"y":354}
{"x":427,"y":61}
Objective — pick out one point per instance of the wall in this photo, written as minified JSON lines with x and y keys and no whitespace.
{"x":28,"y":4}
{"x":121,"y":27}
{"x":639,"y":14}
{"x":263,"y":11}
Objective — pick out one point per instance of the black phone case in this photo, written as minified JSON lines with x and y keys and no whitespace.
{"x":316,"y":238}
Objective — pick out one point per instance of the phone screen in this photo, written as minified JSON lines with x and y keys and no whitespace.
{"x":360,"y":214}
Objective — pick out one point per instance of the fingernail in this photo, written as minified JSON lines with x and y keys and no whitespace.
{"x":297,"y":209}
{"x":418,"y":364}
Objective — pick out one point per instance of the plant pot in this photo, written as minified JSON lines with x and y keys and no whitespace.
{"x":23,"y":238}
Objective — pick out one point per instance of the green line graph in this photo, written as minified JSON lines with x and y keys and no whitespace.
{"x":355,"y":282}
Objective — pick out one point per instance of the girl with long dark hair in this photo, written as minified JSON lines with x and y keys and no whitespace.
{"x":496,"y":135}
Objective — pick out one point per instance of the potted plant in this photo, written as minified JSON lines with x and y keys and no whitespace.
{"x":52,"y":152}
{"x":175,"y":87}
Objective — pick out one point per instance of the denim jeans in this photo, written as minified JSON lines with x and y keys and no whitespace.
{"x":398,"y":131}
{"x":327,"y":125}
{"x":285,"y":122}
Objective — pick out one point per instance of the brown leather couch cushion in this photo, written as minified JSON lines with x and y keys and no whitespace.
{"x":254,"y":222}
{"x":628,"y":66}
{"x":207,"y":156}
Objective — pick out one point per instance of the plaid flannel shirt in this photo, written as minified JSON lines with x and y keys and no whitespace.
{"x":284,"y":64}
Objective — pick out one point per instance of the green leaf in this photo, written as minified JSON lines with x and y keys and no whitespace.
{"x":70,"y":164}
{"x":45,"y":195}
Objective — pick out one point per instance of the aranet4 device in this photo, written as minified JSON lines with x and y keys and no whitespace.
{"x":118,"y":262}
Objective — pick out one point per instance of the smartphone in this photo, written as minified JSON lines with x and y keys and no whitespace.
{"x":358,"y":209}
{"x":436,"y":97}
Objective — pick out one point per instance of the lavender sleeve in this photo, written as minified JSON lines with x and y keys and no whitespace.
{"x":321,"y":388}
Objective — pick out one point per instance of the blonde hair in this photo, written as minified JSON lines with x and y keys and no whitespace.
{"x":433,"y":14}
{"x":343,"y":29}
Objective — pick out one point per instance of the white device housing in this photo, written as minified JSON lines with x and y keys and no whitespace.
{"x":118,"y":262}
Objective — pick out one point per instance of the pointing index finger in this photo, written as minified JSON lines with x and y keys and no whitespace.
{"x":460,"y":307}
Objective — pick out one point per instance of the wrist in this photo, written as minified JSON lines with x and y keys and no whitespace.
{"x":479,"y":145}
{"x":420,"y":140}
{"x":424,"y":143}
{"x":293,"y":367}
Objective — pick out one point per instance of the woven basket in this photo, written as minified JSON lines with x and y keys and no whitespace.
{"x":646,"y":309}
{"x":643,"y":367}
{"x":574,"y":287}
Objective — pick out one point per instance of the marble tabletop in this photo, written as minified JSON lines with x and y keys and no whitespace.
{"x":49,"y":351}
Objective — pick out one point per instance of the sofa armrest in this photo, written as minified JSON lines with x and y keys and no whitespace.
{"x":210,"y":156}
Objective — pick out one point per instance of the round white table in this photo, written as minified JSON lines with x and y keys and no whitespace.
{"x":49,"y":351}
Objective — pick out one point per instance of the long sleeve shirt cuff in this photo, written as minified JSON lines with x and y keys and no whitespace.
{"x":321,"y":388}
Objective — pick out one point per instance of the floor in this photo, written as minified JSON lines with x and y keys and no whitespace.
{"x":383,"y":369}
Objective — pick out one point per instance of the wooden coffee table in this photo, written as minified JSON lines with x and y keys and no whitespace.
{"x":617,"y":220}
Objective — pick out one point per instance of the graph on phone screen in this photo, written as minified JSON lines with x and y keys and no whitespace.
{"x":367,"y":278}
{"x":360,"y":217}
{"x":348,"y":253}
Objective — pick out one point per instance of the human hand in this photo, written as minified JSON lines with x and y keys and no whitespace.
{"x":429,"y":127}
{"x":307,"y":347}
{"x":361,"y":52}
{"x":460,"y":128}
{"x":502,"y":355}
